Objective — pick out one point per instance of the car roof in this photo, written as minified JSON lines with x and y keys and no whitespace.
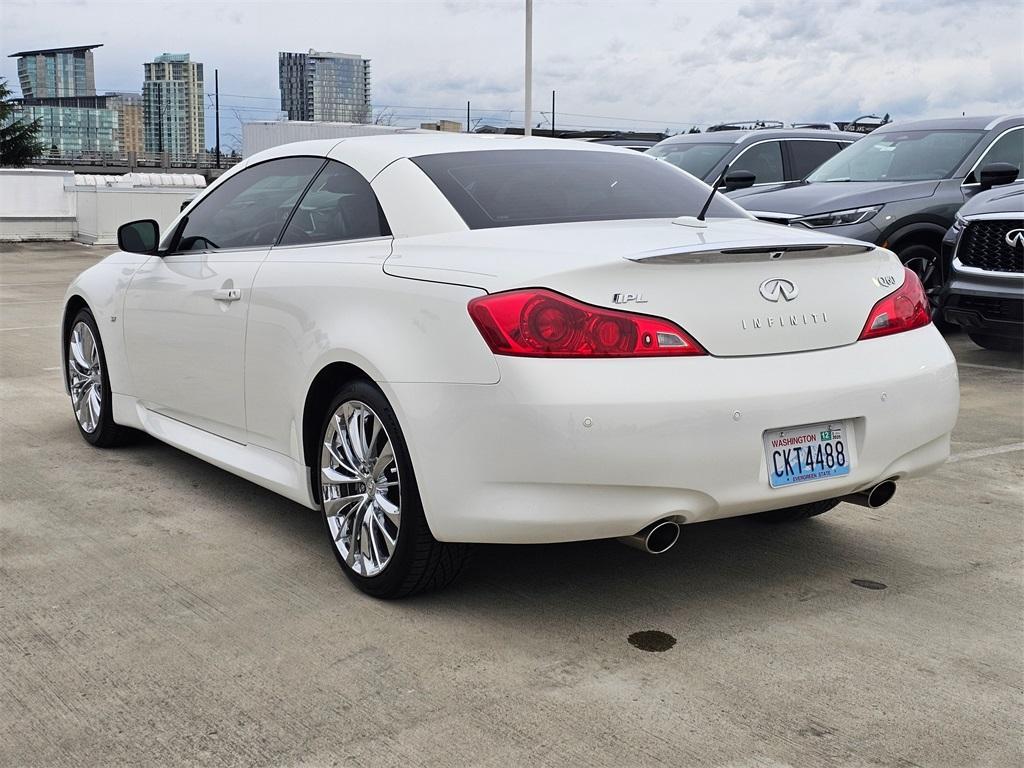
{"x":738,"y":137}
{"x":982,"y":123}
{"x":371,"y":154}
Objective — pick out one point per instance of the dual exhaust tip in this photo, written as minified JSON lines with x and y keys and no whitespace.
{"x":658,"y":538}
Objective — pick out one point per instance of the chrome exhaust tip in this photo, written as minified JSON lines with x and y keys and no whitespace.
{"x":875,"y":496}
{"x":657,"y":538}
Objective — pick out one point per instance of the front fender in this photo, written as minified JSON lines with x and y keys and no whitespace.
{"x":102,"y":289}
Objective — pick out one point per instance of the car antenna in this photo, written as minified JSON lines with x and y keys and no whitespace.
{"x":700,"y":219}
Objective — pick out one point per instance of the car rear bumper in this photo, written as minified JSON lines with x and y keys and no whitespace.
{"x":985,"y":303}
{"x":563,"y":450}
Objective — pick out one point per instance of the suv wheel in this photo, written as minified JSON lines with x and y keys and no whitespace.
{"x":996,"y":343}
{"x":924,"y":261}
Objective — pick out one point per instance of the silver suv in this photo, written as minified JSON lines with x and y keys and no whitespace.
{"x":775,"y":156}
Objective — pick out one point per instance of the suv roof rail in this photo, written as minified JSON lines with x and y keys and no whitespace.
{"x":816,"y":126}
{"x":864,"y":123}
{"x":746,"y":125}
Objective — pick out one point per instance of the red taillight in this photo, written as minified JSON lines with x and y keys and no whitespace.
{"x":535,"y":322}
{"x":904,"y":309}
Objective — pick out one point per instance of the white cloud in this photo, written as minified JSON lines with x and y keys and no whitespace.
{"x":638,"y":65}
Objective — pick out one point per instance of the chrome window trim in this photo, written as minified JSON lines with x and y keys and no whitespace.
{"x":959,"y":266}
{"x":984,"y":154}
{"x":333,"y":242}
{"x":779,"y":139}
{"x":214,"y":251}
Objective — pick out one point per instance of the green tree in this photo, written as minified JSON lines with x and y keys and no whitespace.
{"x":19,"y":140}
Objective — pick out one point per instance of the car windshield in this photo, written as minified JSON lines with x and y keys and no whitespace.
{"x":900,"y":156}
{"x":517,"y":187}
{"x":693,"y":157}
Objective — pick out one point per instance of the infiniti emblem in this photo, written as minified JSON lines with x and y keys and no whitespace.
{"x":777,"y":288}
{"x":1015,"y":237}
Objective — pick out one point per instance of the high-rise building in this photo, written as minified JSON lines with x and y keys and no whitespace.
{"x":326,"y":87}
{"x":174,"y":118}
{"x":56,"y":72}
{"x":130,"y":122}
{"x":58,"y":86}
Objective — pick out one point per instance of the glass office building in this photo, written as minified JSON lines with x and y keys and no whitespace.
{"x":325,"y":87}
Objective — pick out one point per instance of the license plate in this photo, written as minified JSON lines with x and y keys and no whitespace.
{"x":808,"y":453}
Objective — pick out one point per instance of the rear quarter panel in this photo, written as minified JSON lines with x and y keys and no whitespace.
{"x":317,"y":305}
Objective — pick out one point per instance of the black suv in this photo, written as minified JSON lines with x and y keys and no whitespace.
{"x":901,"y":186}
{"x":774,"y":155}
{"x":983,"y":260}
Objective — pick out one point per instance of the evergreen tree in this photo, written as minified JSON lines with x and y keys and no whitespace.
{"x":19,"y":140}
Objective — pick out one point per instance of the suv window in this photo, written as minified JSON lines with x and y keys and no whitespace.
{"x":1008,"y":148}
{"x":249,"y":209}
{"x":696,"y":157}
{"x":339,"y":205}
{"x":899,"y":156}
{"x":517,"y":187}
{"x":806,"y":155}
{"x":763,"y":160}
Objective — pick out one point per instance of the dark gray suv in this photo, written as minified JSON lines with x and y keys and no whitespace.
{"x":983,"y":260}
{"x":774,"y":156}
{"x":901,"y":186}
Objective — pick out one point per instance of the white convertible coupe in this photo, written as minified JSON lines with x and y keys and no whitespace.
{"x":448,"y":339}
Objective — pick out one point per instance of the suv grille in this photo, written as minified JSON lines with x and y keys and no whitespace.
{"x":983,"y":246}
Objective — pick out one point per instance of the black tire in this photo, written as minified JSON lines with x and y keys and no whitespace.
{"x":419,"y":562}
{"x":105,"y":434}
{"x":799,"y":512}
{"x":924,"y":260}
{"x":997,"y":343}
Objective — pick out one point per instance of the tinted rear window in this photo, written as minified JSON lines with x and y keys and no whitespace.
{"x":507,"y":188}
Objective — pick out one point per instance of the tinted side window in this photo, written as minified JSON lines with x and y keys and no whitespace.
{"x":806,"y":156}
{"x":762,"y":160}
{"x":1009,"y":148}
{"x":338,"y":206}
{"x":249,"y":209}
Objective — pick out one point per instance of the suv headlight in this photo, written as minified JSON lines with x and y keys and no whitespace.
{"x":839,"y":218}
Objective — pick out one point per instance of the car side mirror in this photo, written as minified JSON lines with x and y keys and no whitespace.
{"x":995,"y":174}
{"x":141,"y":236}
{"x":738,"y":180}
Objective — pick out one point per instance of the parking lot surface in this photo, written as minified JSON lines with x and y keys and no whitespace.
{"x":155,"y":610}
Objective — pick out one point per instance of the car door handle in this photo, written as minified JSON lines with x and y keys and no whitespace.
{"x":227,"y":294}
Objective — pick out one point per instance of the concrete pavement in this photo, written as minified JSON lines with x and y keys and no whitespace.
{"x":156,"y":611}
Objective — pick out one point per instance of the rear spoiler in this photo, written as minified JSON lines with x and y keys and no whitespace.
{"x":754,"y":253}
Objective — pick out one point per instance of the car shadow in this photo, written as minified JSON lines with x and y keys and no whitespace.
{"x":740,"y":565}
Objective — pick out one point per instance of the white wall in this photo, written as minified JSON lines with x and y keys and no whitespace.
{"x":257,"y":136}
{"x":36,"y":204}
{"x":58,"y":205}
{"x":101,"y":210}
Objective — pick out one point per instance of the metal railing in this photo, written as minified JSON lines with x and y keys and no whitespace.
{"x":133,"y":160}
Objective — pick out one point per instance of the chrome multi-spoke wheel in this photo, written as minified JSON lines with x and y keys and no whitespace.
{"x":361,"y":488}
{"x":85,"y":376}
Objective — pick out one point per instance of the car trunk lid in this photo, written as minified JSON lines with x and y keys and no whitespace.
{"x":738,"y":286}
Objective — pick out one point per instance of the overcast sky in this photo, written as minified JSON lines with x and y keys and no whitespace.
{"x":640,"y":64}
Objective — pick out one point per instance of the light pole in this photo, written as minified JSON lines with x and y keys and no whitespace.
{"x":528,"y":106}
